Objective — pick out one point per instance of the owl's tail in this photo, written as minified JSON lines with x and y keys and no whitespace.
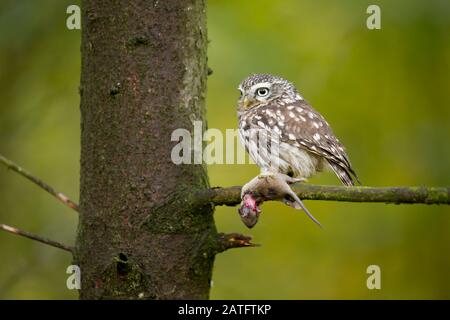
{"x":346,"y":175}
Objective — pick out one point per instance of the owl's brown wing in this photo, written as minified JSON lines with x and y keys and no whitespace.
{"x":299,"y":124}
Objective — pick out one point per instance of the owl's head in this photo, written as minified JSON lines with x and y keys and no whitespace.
{"x":261,"y":89}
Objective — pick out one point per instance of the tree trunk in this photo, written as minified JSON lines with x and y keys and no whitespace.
{"x":141,"y":233}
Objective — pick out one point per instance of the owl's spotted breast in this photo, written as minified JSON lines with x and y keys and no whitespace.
{"x":263,"y":139}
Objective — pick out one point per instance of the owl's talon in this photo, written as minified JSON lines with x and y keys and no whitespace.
{"x":264,"y":175}
{"x":290,"y":180}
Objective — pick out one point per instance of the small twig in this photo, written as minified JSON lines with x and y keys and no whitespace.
{"x":227,"y":241}
{"x":427,"y":195}
{"x":35,"y":237}
{"x":59,"y":195}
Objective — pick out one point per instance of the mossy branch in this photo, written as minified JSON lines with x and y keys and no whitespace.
{"x":231,"y":196}
{"x":58,"y":195}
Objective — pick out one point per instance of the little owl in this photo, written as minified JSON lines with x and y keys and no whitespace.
{"x":284,"y":134}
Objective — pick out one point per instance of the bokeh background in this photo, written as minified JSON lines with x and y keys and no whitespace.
{"x":385,"y":92}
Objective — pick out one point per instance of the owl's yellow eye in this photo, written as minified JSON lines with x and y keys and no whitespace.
{"x":262,"y":92}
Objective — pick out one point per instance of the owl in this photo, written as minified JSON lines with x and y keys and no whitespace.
{"x":283,"y":134}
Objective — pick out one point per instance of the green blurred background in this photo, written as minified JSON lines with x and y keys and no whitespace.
{"x":385,"y":92}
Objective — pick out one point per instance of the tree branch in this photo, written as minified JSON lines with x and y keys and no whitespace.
{"x":227,"y":241}
{"x":59,"y":195}
{"x":35,"y":237}
{"x":427,"y":195}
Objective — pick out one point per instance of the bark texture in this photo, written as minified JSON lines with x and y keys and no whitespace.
{"x":141,"y":233}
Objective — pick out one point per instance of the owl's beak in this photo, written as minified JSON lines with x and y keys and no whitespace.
{"x":246,"y":102}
